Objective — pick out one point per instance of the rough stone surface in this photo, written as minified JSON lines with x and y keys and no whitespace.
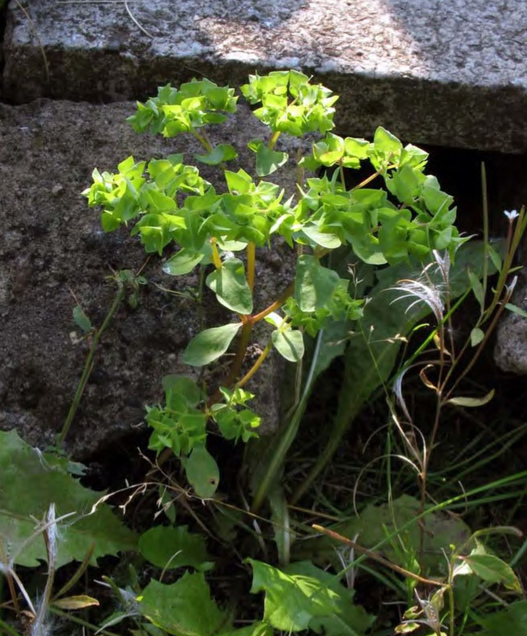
{"x":510,"y":352}
{"x":441,"y":72}
{"x":52,"y":251}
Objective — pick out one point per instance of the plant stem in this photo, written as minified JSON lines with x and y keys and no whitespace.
{"x":8,"y":629}
{"x":240,"y":354}
{"x":251,"y":254}
{"x":79,"y":621}
{"x":376,"y":557}
{"x":255,"y":366}
{"x":89,"y":363}
{"x":273,"y":306}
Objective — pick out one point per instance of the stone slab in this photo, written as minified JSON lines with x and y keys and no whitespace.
{"x":54,"y":254}
{"x":443,"y":72}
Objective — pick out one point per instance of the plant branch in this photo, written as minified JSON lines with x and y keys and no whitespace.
{"x":376,"y":557}
{"x":89,"y":362}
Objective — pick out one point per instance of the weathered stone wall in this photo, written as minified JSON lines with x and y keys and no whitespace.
{"x":53,"y":251}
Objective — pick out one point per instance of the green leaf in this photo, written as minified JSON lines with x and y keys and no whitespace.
{"x":289,"y":343}
{"x":184,"y":608}
{"x":348,"y":619}
{"x":267,"y":160}
{"x":469,"y":402}
{"x":476,"y":336}
{"x":516,"y":310}
{"x":256,"y":629}
{"x":202,"y":472}
{"x":324,"y":239}
{"x":31,"y":482}
{"x":385,"y":143}
{"x":219,"y":154}
{"x":493,"y":570}
{"x":81,"y":319}
{"x":291,"y":601}
{"x":314,"y":284}
{"x":75,"y":602}
{"x":477,"y":288}
{"x":231,"y":287}
{"x":375,"y":522}
{"x":170,"y":548}
{"x":210,"y":344}
{"x":512,"y":620}
{"x":183,"y":262}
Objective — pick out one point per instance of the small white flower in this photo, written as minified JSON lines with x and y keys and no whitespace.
{"x":513,"y":214}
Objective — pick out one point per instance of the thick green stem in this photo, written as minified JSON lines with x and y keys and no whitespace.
{"x":89,"y":363}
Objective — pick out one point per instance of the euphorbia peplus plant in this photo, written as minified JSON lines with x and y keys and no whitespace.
{"x":172,"y":204}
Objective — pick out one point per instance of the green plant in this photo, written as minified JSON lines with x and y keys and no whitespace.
{"x":353,"y":292}
{"x":172,"y":204}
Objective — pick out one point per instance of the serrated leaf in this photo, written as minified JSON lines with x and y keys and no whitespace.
{"x":231,"y":287}
{"x":184,"y":608}
{"x":81,"y":319}
{"x":75,"y":602}
{"x":470,"y":402}
{"x":31,"y":481}
{"x":202,"y":472}
{"x":289,"y":343}
{"x":182,"y":263}
{"x":291,"y":601}
{"x":170,"y":548}
{"x":493,"y":570}
{"x":210,"y":344}
{"x":314,"y":284}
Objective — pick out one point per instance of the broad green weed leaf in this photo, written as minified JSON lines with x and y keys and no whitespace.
{"x":314,"y":284}
{"x":184,"y":608}
{"x":375,"y":522}
{"x":493,"y":570}
{"x":202,"y":472}
{"x":231,"y":287}
{"x":256,"y":629}
{"x":81,"y":319}
{"x":511,"y":621}
{"x":289,"y":344}
{"x":210,"y":344}
{"x":348,"y":619}
{"x":170,"y":548}
{"x":31,"y":481}
{"x":291,"y":600}
{"x":182,"y":263}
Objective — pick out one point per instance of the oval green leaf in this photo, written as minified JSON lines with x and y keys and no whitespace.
{"x":231,"y":287}
{"x":289,"y":344}
{"x":182,"y":263}
{"x":210,"y":344}
{"x":202,"y":472}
